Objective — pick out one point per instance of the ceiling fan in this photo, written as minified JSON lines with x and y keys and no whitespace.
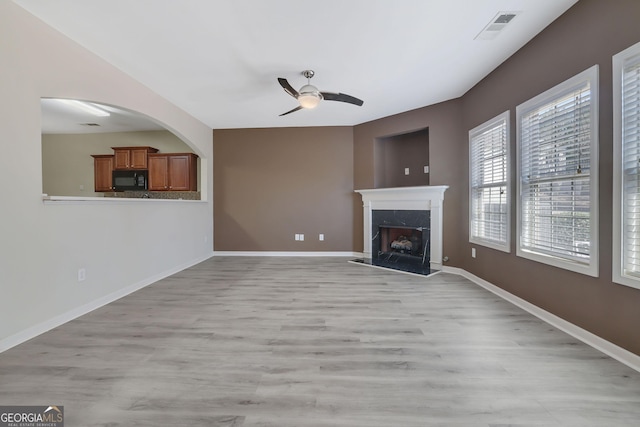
{"x":309,"y":96}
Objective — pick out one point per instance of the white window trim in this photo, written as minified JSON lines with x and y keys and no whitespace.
{"x":504,"y":117}
{"x":591,"y":268}
{"x":618,"y":271}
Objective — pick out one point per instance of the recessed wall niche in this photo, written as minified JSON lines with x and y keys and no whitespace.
{"x":395,"y":155}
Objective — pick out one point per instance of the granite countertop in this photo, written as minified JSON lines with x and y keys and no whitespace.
{"x":175,"y":195}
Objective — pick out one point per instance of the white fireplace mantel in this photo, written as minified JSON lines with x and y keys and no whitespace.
{"x":427,"y":197}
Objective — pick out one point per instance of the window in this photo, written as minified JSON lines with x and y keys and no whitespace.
{"x":489,"y":184}
{"x":558,"y":175}
{"x":626,"y":169}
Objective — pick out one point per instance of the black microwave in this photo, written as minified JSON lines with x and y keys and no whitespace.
{"x":130,"y":180}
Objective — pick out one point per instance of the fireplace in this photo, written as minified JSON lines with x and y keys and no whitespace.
{"x":403,"y":228}
{"x":400,"y":240}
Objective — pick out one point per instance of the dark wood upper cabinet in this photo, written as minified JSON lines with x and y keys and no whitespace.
{"x":158,"y":172}
{"x":102,"y":169}
{"x":182,"y":170}
{"x":173,"y":172}
{"x":131,"y":157}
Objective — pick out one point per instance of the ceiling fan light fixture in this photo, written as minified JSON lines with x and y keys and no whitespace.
{"x":309,"y":96}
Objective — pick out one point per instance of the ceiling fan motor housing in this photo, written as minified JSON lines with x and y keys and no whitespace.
{"x":310,"y":90}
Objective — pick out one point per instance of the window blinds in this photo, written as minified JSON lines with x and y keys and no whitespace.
{"x":489,"y":213}
{"x":555,"y":180}
{"x":630,"y":165}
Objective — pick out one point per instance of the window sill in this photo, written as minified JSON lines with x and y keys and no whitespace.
{"x":626,"y":280}
{"x":577,"y":267}
{"x":491,"y":245}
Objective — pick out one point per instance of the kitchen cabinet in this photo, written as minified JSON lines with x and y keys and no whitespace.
{"x":102,"y":169}
{"x":131,"y":157}
{"x":173,"y":172}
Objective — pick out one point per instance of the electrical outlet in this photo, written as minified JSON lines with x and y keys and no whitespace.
{"x":426,"y":169}
{"x":473,"y":252}
{"x":321,"y":237}
{"x":82,"y":274}
{"x":406,"y":171}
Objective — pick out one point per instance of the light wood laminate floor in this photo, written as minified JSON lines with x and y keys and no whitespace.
{"x":316,"y":342}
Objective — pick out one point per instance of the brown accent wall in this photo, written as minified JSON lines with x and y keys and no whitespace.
{"x":589,"y":33}
{"x":270,"y":184}
{"x":447,"y":156}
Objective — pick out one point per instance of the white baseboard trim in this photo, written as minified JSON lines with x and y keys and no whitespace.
{"x":287,"y":254}
{"x":34,"y":331}
{"x":620,"y":354}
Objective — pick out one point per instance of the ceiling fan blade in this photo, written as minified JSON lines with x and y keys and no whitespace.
{"x":342,"y":97}
{"x":287,"y":87}
{"x":299,"y":107}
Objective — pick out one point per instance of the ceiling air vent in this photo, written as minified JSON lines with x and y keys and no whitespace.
{"x":497,"y":24}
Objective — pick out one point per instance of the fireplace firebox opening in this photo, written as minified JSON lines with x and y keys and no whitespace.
{"x":402,"y":247}
{"x":401,"y":240}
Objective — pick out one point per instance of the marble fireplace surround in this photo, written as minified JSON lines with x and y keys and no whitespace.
{"x":427,"y":197}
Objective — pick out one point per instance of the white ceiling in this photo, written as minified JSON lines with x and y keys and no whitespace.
{"x":59,"y":117}
{"x":219,"y":59}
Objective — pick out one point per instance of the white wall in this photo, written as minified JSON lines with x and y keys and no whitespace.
{"x":122,"y":245}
